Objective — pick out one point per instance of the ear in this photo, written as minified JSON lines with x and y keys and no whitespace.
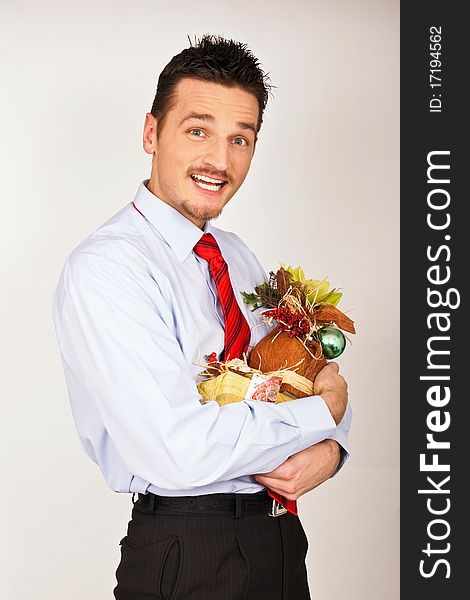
{"x":150,"y":134}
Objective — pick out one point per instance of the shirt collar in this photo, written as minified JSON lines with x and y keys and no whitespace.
{"x":178,"y":231}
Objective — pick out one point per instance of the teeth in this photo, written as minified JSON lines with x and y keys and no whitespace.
{"x":207,"y":179}
{"x":205,"y":186}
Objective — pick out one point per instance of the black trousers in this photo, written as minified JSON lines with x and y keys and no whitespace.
{"x":212,"y":557}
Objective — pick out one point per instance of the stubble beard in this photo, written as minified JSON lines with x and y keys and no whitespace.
{"x":200,"y":213}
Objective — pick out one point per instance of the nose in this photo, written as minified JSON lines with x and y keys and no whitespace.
{"x":217,"y":155}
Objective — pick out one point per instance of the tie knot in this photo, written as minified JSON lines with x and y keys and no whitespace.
{"x":207,"y":247}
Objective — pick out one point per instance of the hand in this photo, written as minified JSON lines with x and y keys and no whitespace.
{"x":303,"y":471}
{"x":333,"y":388}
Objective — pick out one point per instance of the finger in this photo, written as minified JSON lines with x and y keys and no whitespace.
{"x":270,"y":482}
{"x":335,"y":366}
{"x":278,"y":489}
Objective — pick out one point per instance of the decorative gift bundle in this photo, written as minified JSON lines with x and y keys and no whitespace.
{"x":307,"y":329}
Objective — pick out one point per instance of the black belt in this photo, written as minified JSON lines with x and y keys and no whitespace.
{"x":213,"y":504}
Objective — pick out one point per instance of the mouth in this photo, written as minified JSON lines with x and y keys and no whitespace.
{"x":208,"y":184}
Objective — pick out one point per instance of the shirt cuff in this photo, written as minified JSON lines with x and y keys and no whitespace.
{"x":340,"y":435}
{"x":313,"y":418}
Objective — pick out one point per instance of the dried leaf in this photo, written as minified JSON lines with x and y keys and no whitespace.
{"x":283,"y":279}
{"x":330,"y":314}
{"x":268,"y":294}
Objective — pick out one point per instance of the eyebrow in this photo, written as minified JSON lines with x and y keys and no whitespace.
{"x":210,"y":119}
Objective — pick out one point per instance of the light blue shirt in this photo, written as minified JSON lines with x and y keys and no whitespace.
{"x":135,"y":311}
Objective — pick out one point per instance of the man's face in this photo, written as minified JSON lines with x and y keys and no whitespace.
{"x":204,"y":148}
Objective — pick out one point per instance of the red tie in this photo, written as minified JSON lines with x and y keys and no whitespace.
{"x":237,"y":330}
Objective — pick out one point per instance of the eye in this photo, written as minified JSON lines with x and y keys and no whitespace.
{"x":196,"y":132}
{"x":239,"y":141}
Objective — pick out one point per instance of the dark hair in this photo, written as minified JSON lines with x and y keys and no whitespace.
{"x":214,"y":59}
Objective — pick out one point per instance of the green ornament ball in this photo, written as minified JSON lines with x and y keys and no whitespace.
{"x":332,"y":341}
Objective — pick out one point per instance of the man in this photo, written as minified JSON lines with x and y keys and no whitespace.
{"x":136,"y":310}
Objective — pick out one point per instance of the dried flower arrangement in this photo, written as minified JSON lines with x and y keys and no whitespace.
{"x":307,"y":331}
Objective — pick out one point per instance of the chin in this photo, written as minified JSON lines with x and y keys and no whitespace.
{"x":203,"y":213}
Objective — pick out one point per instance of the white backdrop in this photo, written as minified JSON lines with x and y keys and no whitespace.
{"x":322,"y":192}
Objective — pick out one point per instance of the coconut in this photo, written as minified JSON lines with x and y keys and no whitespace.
{"x":278,"y":350}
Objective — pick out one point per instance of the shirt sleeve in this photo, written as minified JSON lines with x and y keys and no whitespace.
{"x":116,"y":336}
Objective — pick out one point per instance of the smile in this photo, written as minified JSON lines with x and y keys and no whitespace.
{"x":208,"y":183}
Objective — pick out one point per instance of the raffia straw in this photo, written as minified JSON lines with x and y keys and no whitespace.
{"x":291,"y":301}
{"x":282,"y":369}
{"x":299,"y":382}
{"x":304,"y":344}
{"x":288,"y":375}
{"x":200,"y":365}
{"x":260,"y":324}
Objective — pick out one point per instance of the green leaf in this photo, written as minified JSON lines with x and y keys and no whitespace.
{"x":252,"y":299}
{"x":316,"y":290}
{"x":333,"y":298}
